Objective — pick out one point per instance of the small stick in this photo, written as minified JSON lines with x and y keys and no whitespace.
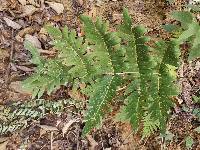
{"x":7,"y":73}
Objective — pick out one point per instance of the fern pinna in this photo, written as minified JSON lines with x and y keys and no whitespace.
{"x":105,"y":61}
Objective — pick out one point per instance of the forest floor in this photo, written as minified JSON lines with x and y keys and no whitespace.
{"x":25,"y":19}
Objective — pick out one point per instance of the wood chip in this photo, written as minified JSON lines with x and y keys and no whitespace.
{"x":58,"y":7}
{"x":11,"y":23}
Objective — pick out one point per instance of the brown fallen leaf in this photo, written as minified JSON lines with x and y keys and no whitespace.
{"x":4,"y":5}
{"x":33,"y":39}
{"x":34,"y":3}
{"x":3,"y":139}
{"x":11,"y":23}
{"x":24,"y":68}
{"x":28,"y":10}
{"x":58,"y":7}
{"x":49,"y":52}
{"x":20,"y":35}
{"x":56,"y":18}
{"x":3,"y":145}
{"x":17,"y":87}
{"x":28,"y":30}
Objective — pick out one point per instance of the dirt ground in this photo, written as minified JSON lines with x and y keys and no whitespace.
{"x":28,"y":18}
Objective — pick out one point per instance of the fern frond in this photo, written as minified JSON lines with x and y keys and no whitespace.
{"x":137,"y":52}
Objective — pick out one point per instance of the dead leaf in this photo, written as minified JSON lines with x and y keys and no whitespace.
{"x":67,"y":125}
{"x":56,"y":18}
{"x":28,"y":10}
{"x":12,"y":24}
{"x":49,"y":52}
{"x":23,"y":2}
{"x":19,"y":38}
{"x":23,"y":32}
{"x":42,"y":132}
{"x":28,"y":30}
{"x":24,"y":68}
{"x":4,"y":54}
{"x":17,"y":87}
{"x":76,"y":95}
{"x":34,"y":40}
{"x":197,"y":66}
{"x":3,"y":139}
{"x":3,"y":145}
{"x":4,"y":5}
{"x":43,"y":31}
{"x":58,"y":7}
{"x":34,"y":3}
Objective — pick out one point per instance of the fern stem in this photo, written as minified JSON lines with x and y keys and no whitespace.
{"x":123,"y":73}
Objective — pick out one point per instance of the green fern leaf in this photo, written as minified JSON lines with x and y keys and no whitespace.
{"x":190,"y":34}
{"x":71,"y":51}
{"x":98,"y":103}
{"x":36,"y":59}
{"x":150,"y":125}
{"x":156,"y":77}
{"x":106,"y":54}
{"x":134,"y":106}
{"x":184,"y":17}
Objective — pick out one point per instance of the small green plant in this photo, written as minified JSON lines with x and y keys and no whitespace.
{"x":105,"y":61}
{"x":189,"y":32}
{"x":16,"y":115}
{"x":189,"y":142}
